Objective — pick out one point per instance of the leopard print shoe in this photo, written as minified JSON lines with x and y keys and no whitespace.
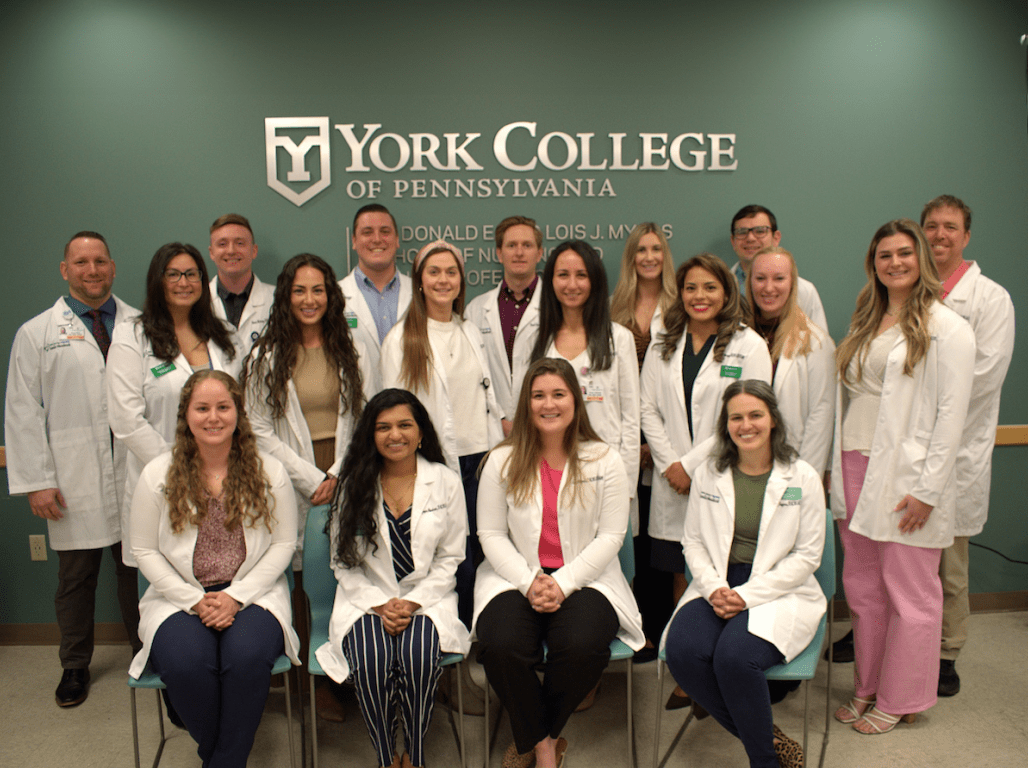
{"x":789,"y":752}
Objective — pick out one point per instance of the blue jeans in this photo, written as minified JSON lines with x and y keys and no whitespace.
{"x":721,"y":666}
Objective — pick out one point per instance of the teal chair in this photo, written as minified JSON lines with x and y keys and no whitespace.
{"x":802,"y":667}
{"x":319,"y":582}
{"x":152,"y":681}
{"x":618,"y":652}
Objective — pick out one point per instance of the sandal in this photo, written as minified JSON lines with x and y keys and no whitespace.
{"x":513,"y":759}
{"x":560,"y":749}
{"x":853,"y":710}
{"x":788,"y":751}
{"x":875,"y":721}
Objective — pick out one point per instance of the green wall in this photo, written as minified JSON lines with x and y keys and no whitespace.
{"x":145,"y":121}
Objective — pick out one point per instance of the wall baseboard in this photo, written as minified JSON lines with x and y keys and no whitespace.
{"x":983,"y":602}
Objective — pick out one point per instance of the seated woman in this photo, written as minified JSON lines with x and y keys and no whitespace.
{"x":554,"y":514}
{"x":754,"y":533}
{"x":213,"y":530}
{"x":398,"y":528}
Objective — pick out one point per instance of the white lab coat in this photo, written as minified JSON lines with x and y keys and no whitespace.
{"x":665,"y":421}
{"x":591,"y":535}
{"x":58,"y":435}
{"x":166,"y":558}
{"x":143,"y":407}
{"x":916,"y":437}
{"x":288,"y":439}
{"x":362,"y":324}
{"x":254,"y":318}
{"x":805,"y":389}
{"x":987,"y":307}
{"x":484,"y":312}
{"x":439,"y":528}
{"x":612,"y":400}
{"x":784,"y":600}
{"x":437,"y":402}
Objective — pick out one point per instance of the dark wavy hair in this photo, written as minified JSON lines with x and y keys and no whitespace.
{"x":595,"y":313}
{"x":270,"y":366}
{"x":729,"y":319}
{"x":156,"y":320}
{"x":354,"y":505}
{"x":726,"y":453}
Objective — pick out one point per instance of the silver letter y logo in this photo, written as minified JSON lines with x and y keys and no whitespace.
{"x":273,"y":141}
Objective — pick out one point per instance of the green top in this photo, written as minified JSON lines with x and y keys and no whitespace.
{"x":749,"y":502}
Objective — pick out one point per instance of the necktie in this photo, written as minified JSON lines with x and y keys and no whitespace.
{"x":99,"y":330}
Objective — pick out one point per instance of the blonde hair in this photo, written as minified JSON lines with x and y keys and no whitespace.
{"x":793,"y":336}
{"x":873,"y":301}
{"x":622,"y":301}
{"x":245,"y":487}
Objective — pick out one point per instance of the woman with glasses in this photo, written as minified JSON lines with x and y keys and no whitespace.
{"x":150,"y":360}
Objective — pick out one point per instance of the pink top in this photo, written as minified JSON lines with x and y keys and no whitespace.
{"x":219,"y":552}
{"x":550,"y":555}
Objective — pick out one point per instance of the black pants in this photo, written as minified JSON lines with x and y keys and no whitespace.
{"x":75,"y":602}
{"x":652,"y":587}
{"x":473,"y":552}
{"x":577,"y":636}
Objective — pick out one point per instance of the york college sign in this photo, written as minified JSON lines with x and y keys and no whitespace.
{"x":298,"y":152}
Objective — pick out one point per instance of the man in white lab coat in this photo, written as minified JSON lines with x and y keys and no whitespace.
{"x":754,"y":227}
{"x":375,"y":292}
{"x":986,"y":305}
{"x":508,"y":315}
{"x":60,"y":452}
{"x":237,"y":296}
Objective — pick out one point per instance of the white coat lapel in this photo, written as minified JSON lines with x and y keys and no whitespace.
{"x":776,"y":487}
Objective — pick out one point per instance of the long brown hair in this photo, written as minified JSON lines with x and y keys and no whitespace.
{"x":521,"y":469}
{"x":622,"y":301}
{"x":793,"y":336}
{"x":873,"y":301}
{"x":729,"y":319}
{"x":246,"y":485}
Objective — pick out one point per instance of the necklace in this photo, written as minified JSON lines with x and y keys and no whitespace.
{"x":393,"y":500}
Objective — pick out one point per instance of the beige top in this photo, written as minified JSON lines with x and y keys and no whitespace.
{"x":317,"y":388}
{"x":864,"y":395}
{"x":463,"y":374}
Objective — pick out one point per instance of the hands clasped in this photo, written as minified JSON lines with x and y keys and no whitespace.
{"x":396,"y":614}
{"x":217,"y":610}
{"x":545,"y":594}
{"x":726,"y":602}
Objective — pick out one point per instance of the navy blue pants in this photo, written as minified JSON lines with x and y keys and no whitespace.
{"x":218,"y":680}
{"x":722,"y":667}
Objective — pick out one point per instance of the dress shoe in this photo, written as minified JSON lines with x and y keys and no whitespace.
{"x":677,"y":700}
{"x":73,"y":688}
{"x":949,"y":680}
{"x":842,"y":649}
{"x":645,"y":655}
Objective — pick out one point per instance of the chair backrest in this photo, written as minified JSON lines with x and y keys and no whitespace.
{"x":825,"y":573}
{"x":319,"y":582}
{"x":627,"y":555}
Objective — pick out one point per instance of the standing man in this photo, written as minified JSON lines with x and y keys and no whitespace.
{"x":237,"y":296}
{"x":508,"y":315}
{"x":987,"y":307}
{"x":754,"y":227}
{"x":60,"y":452}
{"x":376,"y":293}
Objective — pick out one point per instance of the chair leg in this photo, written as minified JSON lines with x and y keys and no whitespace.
{"x":485,"y":727}
{"x":303,"y":719}
{"x":289,"y":721}
{"x":460,"y":710}
{"x":135,"y":724}
{"x":656,"y":726}
{"x":828,"y":688}
{"x":314,"y":724}
{"x":631,"y":736}
{"x":806,"y":715}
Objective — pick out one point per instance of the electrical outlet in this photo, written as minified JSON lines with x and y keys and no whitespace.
{"x":37,"y":547}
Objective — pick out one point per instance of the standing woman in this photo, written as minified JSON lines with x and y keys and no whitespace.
{"x":642,"y":297}
{"x":754,"y":534}
{"x":906,"y":368}
{"x":439,"y":357}
{"x":150,"y":360}
{"x":574,"y":324}
{"x":213,"y":530}
{"x":554,"y":517}
{"x":802,"y":355}
{"x":398,"y":528}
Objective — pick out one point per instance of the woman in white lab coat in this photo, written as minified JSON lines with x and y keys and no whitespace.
{"x":802,"y":355}
{"x":754,"y":534}
{"x":554,"y":517}
{"x":906,"y":368}
{"x":150,"y":359}
{"x":644,"y":293}
{"x":436,"y":354}
{"x":398,"y":534}
{"x":213,"y":530}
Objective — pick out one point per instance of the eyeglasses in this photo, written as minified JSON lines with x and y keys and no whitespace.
{"x":757,"y":231}
{"x":173,"y":275}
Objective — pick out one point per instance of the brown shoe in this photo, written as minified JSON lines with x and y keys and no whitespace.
{"x":328,"y":705}
{"x":511,"y":758}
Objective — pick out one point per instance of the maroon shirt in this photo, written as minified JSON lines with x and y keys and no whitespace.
{"x":511,"y":312}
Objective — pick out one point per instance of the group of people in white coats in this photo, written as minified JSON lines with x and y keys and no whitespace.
{"x":508,"y":453}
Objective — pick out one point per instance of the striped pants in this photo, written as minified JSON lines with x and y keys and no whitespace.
{"x":388,"y":671}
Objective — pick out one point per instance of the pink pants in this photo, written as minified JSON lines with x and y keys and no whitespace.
{"x":895,"y":596}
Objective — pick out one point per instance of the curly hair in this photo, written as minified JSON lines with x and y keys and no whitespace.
{"x":246,"y":485}
{"x":270,"y":366}
{"x":595,"y":313}
{"x":353,"y":513}
{"x":155,"y":317}
{"x":622,"y":301}
{"x":726,"y":452}
{"x":729,"y":318}
{"x":793,"y":335}
{"x":521,"y":469}
{"x":873,"y":301}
